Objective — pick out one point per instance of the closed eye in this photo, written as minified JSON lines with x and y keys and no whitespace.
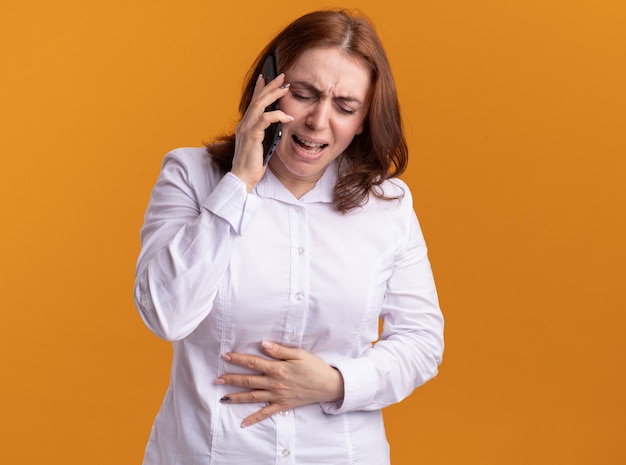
{"x":341,"y":103}
{"x":346,"y":110}
{"x":302,"y":97}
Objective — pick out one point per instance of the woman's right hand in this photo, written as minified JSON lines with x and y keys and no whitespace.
{"x":248,"y":157}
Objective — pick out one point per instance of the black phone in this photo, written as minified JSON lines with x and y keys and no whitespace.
{"x":273,"y":133}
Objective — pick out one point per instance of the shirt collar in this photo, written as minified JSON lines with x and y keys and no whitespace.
{"x":270,"y":187}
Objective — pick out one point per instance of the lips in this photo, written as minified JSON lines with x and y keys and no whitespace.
{"x":309,"y":146}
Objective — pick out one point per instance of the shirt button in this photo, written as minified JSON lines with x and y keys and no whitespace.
{"x":299,"y":295}
{"x":285,"y":453}
{"x":144,"y":301}
{"x":298,"y":209}
{"x":284,"y":413}
{"x":293,"y":337}
{"x":300,"y":251}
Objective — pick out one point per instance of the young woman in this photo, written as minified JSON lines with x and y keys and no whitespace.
{"x":270,"y":280}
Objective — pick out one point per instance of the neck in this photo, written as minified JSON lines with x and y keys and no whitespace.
{"x":298,"y":186}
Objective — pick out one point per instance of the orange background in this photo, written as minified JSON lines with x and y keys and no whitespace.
{"x":515,"y":115}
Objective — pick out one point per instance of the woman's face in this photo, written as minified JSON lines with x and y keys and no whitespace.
{"x":329,"y":100}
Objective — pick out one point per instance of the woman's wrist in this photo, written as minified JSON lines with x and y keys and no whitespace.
{"x":242,"y":178}
{"x":337,"y":390}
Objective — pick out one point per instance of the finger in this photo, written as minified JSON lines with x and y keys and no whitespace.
{"x":261,"y":87}
{"x":269,"y":93}
{"x":259,"y":84}
{"x":243,"y":381}
{"x":253,"y":362}
{"x":247,"y":397}
{"x":281,"y":352}
{"x":277,"y":81}
{"x":262,"y":414}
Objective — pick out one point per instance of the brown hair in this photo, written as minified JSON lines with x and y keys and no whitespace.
{"x":380,"y":152}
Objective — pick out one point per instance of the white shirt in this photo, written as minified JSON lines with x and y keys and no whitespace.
{"x":221,"y":270}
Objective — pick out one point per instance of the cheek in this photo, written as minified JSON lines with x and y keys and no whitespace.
{"x":351,"y":126}
{"x":348,"y":131}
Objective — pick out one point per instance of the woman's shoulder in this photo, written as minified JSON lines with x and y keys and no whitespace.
{"x":189,"y":157}
{"x":194,"y":163}
{"x":394,"y":187}
{"x":393,"y":193}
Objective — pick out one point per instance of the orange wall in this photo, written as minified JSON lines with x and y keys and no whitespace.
{"x":515,"y":113}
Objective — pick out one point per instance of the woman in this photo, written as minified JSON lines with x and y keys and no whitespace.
{"x":271,"y":280}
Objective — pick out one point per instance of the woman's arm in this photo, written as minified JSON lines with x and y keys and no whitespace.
{"x":410,"y":348}
{"x":194,"y":218}
{"x":406,"y":356}
{"x":191,"y":224}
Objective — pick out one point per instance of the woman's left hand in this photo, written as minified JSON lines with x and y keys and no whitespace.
{"x":294,"y":378}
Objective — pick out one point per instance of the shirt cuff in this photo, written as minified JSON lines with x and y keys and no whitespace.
{"x":360,"y":384}
{"x":231,"y":201}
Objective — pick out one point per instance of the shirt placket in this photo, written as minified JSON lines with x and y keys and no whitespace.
{"x":294,"y":323}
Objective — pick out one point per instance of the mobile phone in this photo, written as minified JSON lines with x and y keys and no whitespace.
{"x":274,"y":132}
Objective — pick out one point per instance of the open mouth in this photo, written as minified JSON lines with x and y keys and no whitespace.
{"x":310,"y":147}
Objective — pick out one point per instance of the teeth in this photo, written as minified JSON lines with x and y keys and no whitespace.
{"x":310,"y":144}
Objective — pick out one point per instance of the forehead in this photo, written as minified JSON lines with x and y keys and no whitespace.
{"x":330,"y":69}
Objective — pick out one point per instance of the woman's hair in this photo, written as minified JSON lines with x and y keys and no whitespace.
{"x":380,"y":152}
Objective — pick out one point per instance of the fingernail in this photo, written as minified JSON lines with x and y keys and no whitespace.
{"x":267,"y":345}
{"x":246,"y":423}
{"x":225,"y":357}
{"x":225,"y":399}
{"x":285,"y":85}
{"x":220,"y":381}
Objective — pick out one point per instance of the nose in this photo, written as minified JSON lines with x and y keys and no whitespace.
{"x":319,"y":115}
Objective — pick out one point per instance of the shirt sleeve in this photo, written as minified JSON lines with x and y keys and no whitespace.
{"x":192,"y":222}
{"x":410,"y":348}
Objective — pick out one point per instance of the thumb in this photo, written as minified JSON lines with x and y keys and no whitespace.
{"x":280,"y":352}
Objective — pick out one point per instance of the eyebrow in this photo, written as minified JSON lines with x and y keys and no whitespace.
{"x":310,"y":87}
